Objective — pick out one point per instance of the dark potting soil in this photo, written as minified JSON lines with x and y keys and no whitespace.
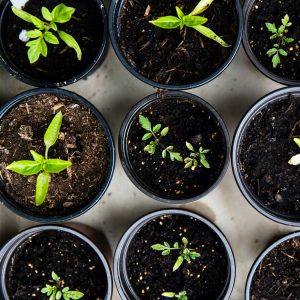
{"x":187,"y":120}
{"x":82,"y":141}
{"x":61,"y":64}
{"x":175,"y":56}
{"x":266,"y":148}
{"x":273,"y":11}
{"x":151,"y":274}
{"x":278,"y":275}
{"x":74,"y":261}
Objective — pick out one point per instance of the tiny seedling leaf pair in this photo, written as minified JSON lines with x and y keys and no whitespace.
{"x":192,"y":20}
{"x":279,"y":34}
{"x":57,"y":291}
{"x":180,"y":296}
{"x":43,"y":166}
{"x":184,"y":252}
{"x":295,"y":160}
{"x":42,"y":35}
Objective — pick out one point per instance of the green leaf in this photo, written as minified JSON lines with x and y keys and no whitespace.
{"x":37,"y":157}
{"x":52,"y":131}
{"x":25,"y":167}
{"x":276,"y":60}
{"x":35,"y":49}
{"x":53,"y":26}
{"x":191,"y":21}
{"x":145,"y":123}
{"x":44,"y":48}
{"x":55,"y":276}
{"x":168,"y":294}
{"x":202,"y":6}
{"x":189,"y":146}
{"x":271,"y":27}
{"x":176,"y":245}
{"x":167,"y":22}
{"x":164,"y":153}
{"x":178,"y":263}
{"x":156,"y":128}
{"x":180,"y":13}
{"x":47,"y":14}
{"x":71,"y":42}
{"x":158,"y":247}
{"x":281,"y":29}
{"x":175,"y":156}
{"x":56,"y":165}
{"x":271,"y":52}
{"x":52,"y":297}
{"x":274,"y":36}
{"x":289,"y":40}
{"x":44,"y":290}
{"x":185,"y":241}
{"x":210,"y":34}
{"x":283,"y":52}
{"x":50,"y":38}
{"x":38,"y":23}
{"x":285,"y":20}
{"x":147,"y":136}
{"x":34,"y":33}
{"x":204,"y":162}
{"x":22,"y":14}
{"x":166,"y":252}
{"x":165,"y":131}
{"x":297,"y":141}
{"x":62,"y":13}
{"x":75,"y":295}
{"x":66,"y":289}
{"x":42,"y":184}
{"x":188,"y":164}
{"x":58,"y":295}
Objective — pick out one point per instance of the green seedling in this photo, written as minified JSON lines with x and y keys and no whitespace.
{"x":180,"y":296}
{"x":38,"y":38}
{"x":192,"y":20}
{"x":155,"y":133}
{"x":295,"y":160}
{"x":57,"y":291}
{"x":184,"y":252}
{"x":196,"y":159}
{"x":279,"y":34}
{"x":43,"y":166}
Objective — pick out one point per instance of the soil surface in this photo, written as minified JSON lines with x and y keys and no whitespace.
{"x":187,"y":120}
{"x":82,"y":141}
{"x":278,"y":275}
{"x":74,"y":261}
{"x":151,"y":274}
{"x":265,"y":150}
{"x":175,"y":56}
{"x":273,"y":11}
{"x":61,"y":64}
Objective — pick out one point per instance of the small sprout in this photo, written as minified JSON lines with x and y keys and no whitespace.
{"x":192,"y":20}
{"x":295,"y":160}
{"x":281,"y":40}
{"x":180,"y":296}
{"x":196,"y":159}
{"x":43,"y":35}
{"x":185,"y":253}
{"x":58,"y":291}
{"x":41,"y":165}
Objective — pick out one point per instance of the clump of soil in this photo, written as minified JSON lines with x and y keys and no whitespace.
{"x":61,"y":63}
{"x":74,"y":261}
{"x":82,"y":141}
{"x":175,"y":56}
{"x":151,"y":274}
{"x":278,"y":276}
{"x":266,"y":11}
{"x":187,"y":120}
{"x":266,"y":148}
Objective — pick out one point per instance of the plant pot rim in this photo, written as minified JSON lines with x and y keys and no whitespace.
{"x":8,"y":249}
{"x":90,"y":68}
{"x":241,"y":128}
{"x":60,"y":92}
{"x":119,"y":263}
{"x":124,"y":157}
{"x":262,"y":255}
{"x":245,"y":41}
{"x":114,"y":30}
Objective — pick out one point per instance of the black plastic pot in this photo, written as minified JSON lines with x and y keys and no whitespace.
{"x":6,"y":199}
{"x":27,"y":78}
{"x":114,"y":31}
{"x":8,"y":250}
{"x":246,"y":12}
{"x":123,"y":150}
{"x":261,"y":258}
{"x":241,"y":129}
{"x":120,"y":274}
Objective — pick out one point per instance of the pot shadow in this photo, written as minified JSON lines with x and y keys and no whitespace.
{"x":7,"y":231}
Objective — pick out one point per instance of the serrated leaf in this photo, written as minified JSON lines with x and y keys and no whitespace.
{"x":158,"y":247}
{"x":295,"y":160}
{"x":178,"y":263}
{"x":164,"y":132}
{"x":271,"y":52}
{"x":62,"y":13}
{"x":191,"y":21}
{"x":37,"y":23}
{"x":56,"y":165}
{"x":35,"y":50}
{"x":25,"y":16}
{"x":145,"y":123}
{"x":156,"y":128}
{"x":71,"y":42}
{"x":202,"y":6}
{"x":34,"y":33}
{"x":147,"y":136}
{"x":167,"y":22}
{"x":25,"y":167}
{"x":74,"y":295}
{"x":42,"y":184}
{"x":210,"y":34}
{"x":51,"y":38}
{"x":285,"y":20}
{"x":276,"y":60}
{"x":47,"y":14}
{"x":175,"y":156}
{"x":289,"y":40}
{"x":189,"y":146}
{"x":271,"y":27}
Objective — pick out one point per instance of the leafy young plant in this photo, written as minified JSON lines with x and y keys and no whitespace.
{"x":43,"y":35}
{"x":184,"y":254}
{"x":43,"y":166}
{"x":192,"y":20}
{"x":180,"y":296}
{"x":156,"y":133}
{"x":295,"y":160}
{"x":57,"y":291}
{"x":281,"y":40}
{"x":196,"y":159}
